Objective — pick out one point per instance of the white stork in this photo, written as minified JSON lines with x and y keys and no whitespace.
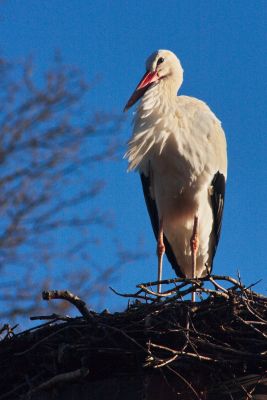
{"x":179,"y":149}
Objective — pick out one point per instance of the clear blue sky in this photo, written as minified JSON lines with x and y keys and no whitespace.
{"x":222,"y":47}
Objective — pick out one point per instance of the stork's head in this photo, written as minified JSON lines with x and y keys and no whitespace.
{"x":162,"y":67}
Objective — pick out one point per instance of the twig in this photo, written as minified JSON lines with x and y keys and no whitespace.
{"x":216,"y":285}
{"x":232,"y":350}
{"x":41,"y":341}
{"x":68,"y":296}
{"x":184,"y":380}
{"x":133,"y":295}
{"x":163,"y":363}
{"x":253,"y":284}
{"x":61,"y":378}
{"x":113,"y":328}
{"x":168,"y":281}
{"x":163,"y":294}
{"x":53,"y":317}
{"x":195,"y":285}
{"x":213,"y":292}
{"x":251,"y":326}
{"x":182,"y":353}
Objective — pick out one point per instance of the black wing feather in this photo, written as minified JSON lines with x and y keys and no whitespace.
{"x":153,"y":213}
{"x":217,"y":203}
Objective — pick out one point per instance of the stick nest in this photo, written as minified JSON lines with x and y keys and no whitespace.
{"x":215,"y":348}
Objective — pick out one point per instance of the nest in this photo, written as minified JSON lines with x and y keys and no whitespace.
{"x":215,"y":348}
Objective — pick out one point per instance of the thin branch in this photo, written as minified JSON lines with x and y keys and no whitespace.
{"x":68,"y":296}
{"x":61,"y":378}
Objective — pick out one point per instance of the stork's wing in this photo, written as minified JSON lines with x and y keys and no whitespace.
{"x":153,"y":213}
{"x":217,"y":203}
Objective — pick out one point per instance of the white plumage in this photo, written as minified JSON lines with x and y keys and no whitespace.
{"x":179,"y":149}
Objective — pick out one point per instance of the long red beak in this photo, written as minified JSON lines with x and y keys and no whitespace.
{"x":141,"y":88}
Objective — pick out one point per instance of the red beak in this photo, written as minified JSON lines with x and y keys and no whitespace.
{"x":141,"y":88}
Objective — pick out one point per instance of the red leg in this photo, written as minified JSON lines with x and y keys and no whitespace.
{"x":194,"y":244}
{"x":160,"y":252}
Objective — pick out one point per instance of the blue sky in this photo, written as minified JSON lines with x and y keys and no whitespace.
{"x":222,"y":48}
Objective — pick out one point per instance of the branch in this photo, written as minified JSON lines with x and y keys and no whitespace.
{"x":68,"y":296}
{"x":61,"y":378}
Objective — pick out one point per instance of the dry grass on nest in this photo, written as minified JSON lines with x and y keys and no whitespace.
{"x":214,"y":348}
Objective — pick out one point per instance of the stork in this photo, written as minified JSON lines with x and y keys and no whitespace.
{"x":179,"y":148}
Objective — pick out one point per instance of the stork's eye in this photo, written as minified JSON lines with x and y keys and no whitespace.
{"x":160,"y":60}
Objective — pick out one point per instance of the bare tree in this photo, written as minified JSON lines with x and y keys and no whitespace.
{"x":50,"y":148}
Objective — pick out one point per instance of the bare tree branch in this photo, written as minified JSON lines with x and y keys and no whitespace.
{"x":50,"y":149}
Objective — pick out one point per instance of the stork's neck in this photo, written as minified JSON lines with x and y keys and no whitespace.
{"x":157,"y":106}
{"x":160,"y":98}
